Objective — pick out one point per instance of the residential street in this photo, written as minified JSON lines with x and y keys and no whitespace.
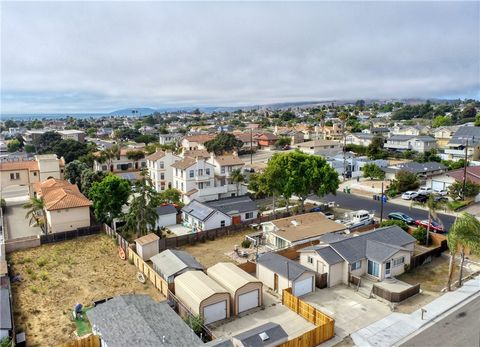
{"x":459,"y":328}
{"x":355,"y":202}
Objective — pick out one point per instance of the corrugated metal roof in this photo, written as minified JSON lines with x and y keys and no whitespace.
{"x":198,"y":286}
{"x":170,"y":262}
{"x":230,"y":276}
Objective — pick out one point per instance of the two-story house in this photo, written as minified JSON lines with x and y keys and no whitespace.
{"x":360,"y":139}
{"x":195,"y":179}
{"x":224,"y":166}
{"x":194,"y":142}
{"x":419,"y":144}
{"x":170,"y":138}
{"x":457,"y":146}
{"x":159,"y":170}
{"x":443,"y":135}
{"x":121,"y":163}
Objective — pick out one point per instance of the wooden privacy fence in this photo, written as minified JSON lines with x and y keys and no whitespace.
{"x":118,"y":238}
{"x":89,"y":341}
{"x":395,"y":297}
{"x":419,"y":259}
{"x":324,"y":325}
{"x":149,"y":273}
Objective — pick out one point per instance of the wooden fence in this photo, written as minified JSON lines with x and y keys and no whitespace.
{"x":249,"y":267}
{"x":70,"y":234}
{"x":89,"y":341}
{"x":419,"y":259}
{"x":395,"y":297}
{"x":149,"y":273}
{"x":324,"y":325}
{"x":120,"y":241}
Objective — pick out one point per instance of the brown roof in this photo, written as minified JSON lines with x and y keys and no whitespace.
{"x":318,"y":143}
{"x":184,"y":163}
{"x":268,"y":136}
{"x":305,"y":226}
{"x":244,"y":137}
{"x":157,"y":155}
{"x":202,"y":153}
{"x":60,"y":194}
{"x":147,"y":239}
{"x":227,"y":160}
{"x":31,"y":165}
{"x":473,"y":174}
{"x":200,"y":138}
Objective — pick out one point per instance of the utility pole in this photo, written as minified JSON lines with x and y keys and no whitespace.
{"x":381,"y":205}
{"x":465,"y":171}
{"x":251,"y":146}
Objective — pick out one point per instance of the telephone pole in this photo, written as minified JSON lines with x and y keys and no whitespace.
{"x":251,"y":146}
{"x":465,"y":171}
{"x":381,"y":206}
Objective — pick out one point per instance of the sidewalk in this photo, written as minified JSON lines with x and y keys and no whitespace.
{"x":395,"y":328}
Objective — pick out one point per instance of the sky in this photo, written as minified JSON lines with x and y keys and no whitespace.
{"x":76,"y":57}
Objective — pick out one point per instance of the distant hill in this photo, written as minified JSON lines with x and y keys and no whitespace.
{"x":142,"y":111}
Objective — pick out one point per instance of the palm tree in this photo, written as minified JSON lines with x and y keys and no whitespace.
{"x":35,"y":209}
{"x":432,"y":206}
{"x":465,"y":233}
{"x":237,"y":177}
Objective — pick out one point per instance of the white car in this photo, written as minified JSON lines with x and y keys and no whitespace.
{"x":409,"y":195}
{"x":440,"y":192}
{"x":424,"y":191}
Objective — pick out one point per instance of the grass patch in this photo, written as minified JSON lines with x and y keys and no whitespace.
{"x":456,"y":205}
{"x":41,"y":262}
{"x":83,"y":326}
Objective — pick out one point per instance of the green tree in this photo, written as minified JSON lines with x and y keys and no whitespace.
{"x":108,"y":197}
{"x":456,"y":192}
{"x":469,"y":111}
{"x":223,"y":142}
{"x":464,"y":233}
{"x":35,"y":212}
{"x":88,"y":177}
{"x":73,"y":172}
{"x":375,"y":148}
{"x":68,"y":149}
{"x":29,"y":148}
{"x":399,"y":223}
{"x":6,"y":342}
{"x":142,"y":215}
{"x":170,"y":196}
{"x":13,"y":145}
{"x":146,"y":139}
{"x":477,"y":120}
{"x":441,"y":121}
{"x":282,"y":142}
{"x":420,"y":234}
{"x":46,"y":140}
{"x":406,"y":181}
{"x":373,"y":171}
{"x":136,"y":155}
{"x":237,"y":177}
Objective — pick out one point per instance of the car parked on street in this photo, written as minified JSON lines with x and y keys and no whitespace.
{"x":420,"y":198}
{"x":434,"y":226}
{"x":401,"y":216}
{"x":409,"y":195}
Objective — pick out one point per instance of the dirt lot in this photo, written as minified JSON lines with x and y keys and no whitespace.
{"x":55,"y":277}
{"x":211,"y":252}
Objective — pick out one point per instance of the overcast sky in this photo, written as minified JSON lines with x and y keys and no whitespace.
{"x":101,"y":56}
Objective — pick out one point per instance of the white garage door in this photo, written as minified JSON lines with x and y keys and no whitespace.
{"x":438,"y":185}
{"x":248,"y":300}
{"x":303,"y":287}
{"x":212,"y":313}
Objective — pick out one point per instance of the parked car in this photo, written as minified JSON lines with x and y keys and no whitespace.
{"x":440,"y":198}
{"x":434,"y":226}
{"x":409,"y":195}
{"x":401,"y":216}
{"x":425,"y":190}
{"x":441,"y":192}
{"x":316,"y":209}
{"x":420,"y":198}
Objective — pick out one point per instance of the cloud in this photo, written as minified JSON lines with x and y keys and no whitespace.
{"x":98,"y":56}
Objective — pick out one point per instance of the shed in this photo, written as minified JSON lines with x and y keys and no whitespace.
{"x":167,"y":215}
{"x":147,"y":246}
{"x":5,"y":313}
{"x":202,"y":296}
{"x":245,"y":290}
{"x":265,"y":335}
{"x":171,"y":263}
{"x":280,"y":273}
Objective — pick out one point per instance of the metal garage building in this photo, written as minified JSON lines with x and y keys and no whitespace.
{"x":202,"y":296}
{"x":245,"y":290}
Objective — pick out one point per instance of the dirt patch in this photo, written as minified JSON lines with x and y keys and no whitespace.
{"x":417,"y":301}
{"x":57,"y":276}
{"x":211,"y":252}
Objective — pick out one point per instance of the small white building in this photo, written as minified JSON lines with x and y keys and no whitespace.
{"x":172,"y":263}
{"x":321,"y":147}
{"x":200,"y":217}
{"x":167,"y":215}
{"x":147,"y":246}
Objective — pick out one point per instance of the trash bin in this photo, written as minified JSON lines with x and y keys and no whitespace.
{"x":374,"y":197}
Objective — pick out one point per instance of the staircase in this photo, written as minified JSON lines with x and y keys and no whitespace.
{"x":365,"y":288}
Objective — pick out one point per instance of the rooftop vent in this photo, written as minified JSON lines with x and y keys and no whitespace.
{"x":264,"y":336}
{"x":295,"y":223}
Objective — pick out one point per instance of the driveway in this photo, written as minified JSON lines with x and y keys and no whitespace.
{"x":350,"y":310}
{"x":16,"y":224}
{"x":15,"y":195}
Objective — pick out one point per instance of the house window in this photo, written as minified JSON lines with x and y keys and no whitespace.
{"x":200,"y":172}
{"x":182,"y":186}
{"x":191,"y":173}
{"x":357,"y":265}
{"x":398,"y":261}
{"x":162,"y":176}
{"x":207,"y":184}
{"x":249,"y":215}
{"x":310,"y":260}
{"x":373,"y":268}
{"x":34,"y":174}
{"x":104,"y":167}
{"x":222,"y":223}
{"x":176,"y":172}
{"x":161,"y":165}
{"x":207,"y":172}
{"x":222,"y":169}
{"x":200,"y":185}
{"x":144,"y":163}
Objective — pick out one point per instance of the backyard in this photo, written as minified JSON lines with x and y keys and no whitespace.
{"x":57,"y":276}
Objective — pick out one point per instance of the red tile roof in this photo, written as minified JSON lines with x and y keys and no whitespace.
{"x":60,"y":194}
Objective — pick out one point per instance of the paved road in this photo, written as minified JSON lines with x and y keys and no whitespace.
{"x":459,"y":328}
{"x":355,"y":202}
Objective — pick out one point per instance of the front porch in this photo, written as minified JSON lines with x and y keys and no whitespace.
{"x":390,"y":289}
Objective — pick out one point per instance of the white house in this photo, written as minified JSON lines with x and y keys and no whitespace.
{"x":167,"y":215}
{"x":456,"y":147}
{"x":170,"y":138}
{"x":360,"y":139}
{"x":196,"y":141}
{"x":159,"y":170}
{"x":121,"y":163}
{"x":321,"y":147}
{"x":224,"y":165}
{"x":419,"y":144}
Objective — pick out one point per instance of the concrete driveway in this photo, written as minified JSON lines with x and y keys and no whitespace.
{"x":16,"y":223}
{"x":15,"y":195}
{"x":350,"y":310}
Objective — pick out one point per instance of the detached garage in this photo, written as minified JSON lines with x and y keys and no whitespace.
{"x":245,"y":290}
{"x":202,"y":296}
{"x":280,"y":273}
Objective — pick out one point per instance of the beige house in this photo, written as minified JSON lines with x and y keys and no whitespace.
{"x":202,"y":296}
{"x":65,"y":207}
{"x":28,"y":172}
{"x":245,"y":290}
{"x":300,"y":229}
{"x":321,"y":147}
{"x":195,"y":142}
{"x":378,"y":254}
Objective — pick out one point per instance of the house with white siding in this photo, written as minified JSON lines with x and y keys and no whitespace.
{"x":159,"y":170}
{"x":419,"y":144}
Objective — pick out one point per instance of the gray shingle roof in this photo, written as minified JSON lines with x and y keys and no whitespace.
{"x":329,"y":255}
{"x":380,"y":251}
{"x":136,"y":320}
{"x":171,"y":262}
{"x":422,"y":167}
{"x":282,"y":266}
{"x":355,"y":248}
{"x":235,"y":205}
{"x":465,"y":133}
{"x":251,"y":338}
{"x":167,"y":209}
{"x":5,"y":312}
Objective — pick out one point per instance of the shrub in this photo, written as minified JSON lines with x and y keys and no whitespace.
{"x":246,"y":243}
{"x":420,"y":234}
{"x":44,"y":275}
{"x":195,"y":323}
{"x":41,"y":262}
{"x":400,"y":223}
